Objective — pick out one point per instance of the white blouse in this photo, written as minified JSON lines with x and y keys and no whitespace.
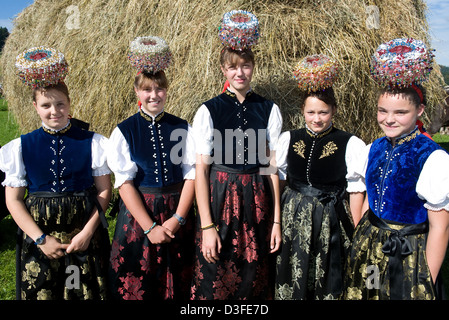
{"x":354,"y":149}
{"x":11,"y":161}
{"x":433,"y":181}
{"x":119,"y":158}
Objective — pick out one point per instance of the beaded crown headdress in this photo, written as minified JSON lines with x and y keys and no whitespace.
{"x":41,"y":67}
{"x":401,"y":63}
{"x":239,"y":30}
{"x":150,"y":54}
{"x":316,"y":72}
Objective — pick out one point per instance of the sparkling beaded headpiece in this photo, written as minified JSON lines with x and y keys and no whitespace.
{"x":239,"y":30}
{"x":401,"y":62}
{"x":150,"y":54}
{"x":315,"y":72}
{"x":41,"y":67}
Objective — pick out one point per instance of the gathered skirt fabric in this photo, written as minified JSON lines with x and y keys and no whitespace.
{"x":140,"y":270}
{"x":368,"y":273}
{"x":241,"y":207}
{"x":77,"y":276}
{"x":316,"y":232}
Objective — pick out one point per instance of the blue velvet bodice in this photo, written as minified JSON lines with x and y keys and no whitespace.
{"x":242,"y":128}
{"x":58,"y":162}
{"x":392,"y":174}
{"x":151,"y":147}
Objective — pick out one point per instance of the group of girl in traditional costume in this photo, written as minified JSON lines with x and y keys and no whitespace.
{"x":306,"y":214}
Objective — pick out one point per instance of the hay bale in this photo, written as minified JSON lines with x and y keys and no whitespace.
{"x":100,"y":78}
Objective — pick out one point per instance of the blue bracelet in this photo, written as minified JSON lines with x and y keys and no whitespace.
{"x":40,"y":240}
{"x":151,"y":228}
{"x":180,"y":219}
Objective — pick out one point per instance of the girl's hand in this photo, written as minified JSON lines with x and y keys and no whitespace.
{"x":80,"y":242}
{"x":211,"y":245}
{"x":53,"y":248}
{"x":172,"y":224}
{"x":159,"y":235}
{"x":276,"y":237}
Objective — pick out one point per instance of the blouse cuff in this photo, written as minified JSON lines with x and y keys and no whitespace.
{"x":121,"y":177}
{"x":437,"y":207}
{"x":14,"y":183}
{"x":102,"y":171}
{"x":356,"y":185}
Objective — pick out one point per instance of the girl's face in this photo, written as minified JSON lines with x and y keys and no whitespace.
{"x":317,"y":114}
{"x":239,"y":75}
{"x":53,"y":107}
{"x":396,"y":115}
{"x":152,"y":97}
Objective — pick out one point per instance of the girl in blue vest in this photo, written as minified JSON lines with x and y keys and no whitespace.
{"x":323,"y":197}
{"x":152,"y":248}
{"x":400,"y":242}
{"x":62,"y":252}
{"x":238,"y":204}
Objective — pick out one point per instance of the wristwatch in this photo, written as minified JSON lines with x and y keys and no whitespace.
{"x":180,"y":219}
{"x":40,"y":240}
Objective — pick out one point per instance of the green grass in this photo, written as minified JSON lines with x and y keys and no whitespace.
{"x":8,"y":128}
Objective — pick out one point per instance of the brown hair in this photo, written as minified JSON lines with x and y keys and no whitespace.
{"x":408,"y":93}
{"x":230,"y":56}
{"x":327,"y":96}
{"x":159,"y":78}
{"x":61,"y":87}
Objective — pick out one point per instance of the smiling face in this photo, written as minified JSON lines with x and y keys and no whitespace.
{"x":239,"y":75}
{"x":237,"y":67}
{"x":397,"y":115}
{"x":152,"y":96}
{"x":317,"y":114}
{"x":53,"y":107}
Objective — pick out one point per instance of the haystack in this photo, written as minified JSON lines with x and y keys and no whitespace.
{"x":95,"y":36}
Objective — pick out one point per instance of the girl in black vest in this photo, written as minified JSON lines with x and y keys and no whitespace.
{"x":152,"y":249}
{"x":315,"y":163}
{"x":238,"y":204}
{"x":62,"y":252}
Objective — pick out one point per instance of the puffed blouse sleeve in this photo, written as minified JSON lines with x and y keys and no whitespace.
{"x":189,"y":157}
{"x":11,"y":163}
{"x":119,"y":158}
{"x":99,"y":161}
{"x":281,"y":154}
{"x":433,"y":181}
{"x":203,"y":131}
{"x":274,"y":127}
{"x":356,"y":157}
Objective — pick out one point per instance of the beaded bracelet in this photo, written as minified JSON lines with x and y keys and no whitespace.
{"x":210,"y":226}
{"x":151,"y":228}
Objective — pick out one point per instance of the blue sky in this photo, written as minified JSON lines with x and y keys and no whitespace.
{"x":437,"y":17}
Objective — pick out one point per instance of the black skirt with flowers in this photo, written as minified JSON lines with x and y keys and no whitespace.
{"x":140,"y":270}
{"x":77,"y":276}
{"x":241,"y":207}
{"x":387,"y":261}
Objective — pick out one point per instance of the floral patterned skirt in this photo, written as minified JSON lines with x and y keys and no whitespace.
{"x":368,"y":273}
{"x":77,"y":276}
{"x":140,"y":270}
{"x":316,"y":231}
{"x":241,"y":208}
